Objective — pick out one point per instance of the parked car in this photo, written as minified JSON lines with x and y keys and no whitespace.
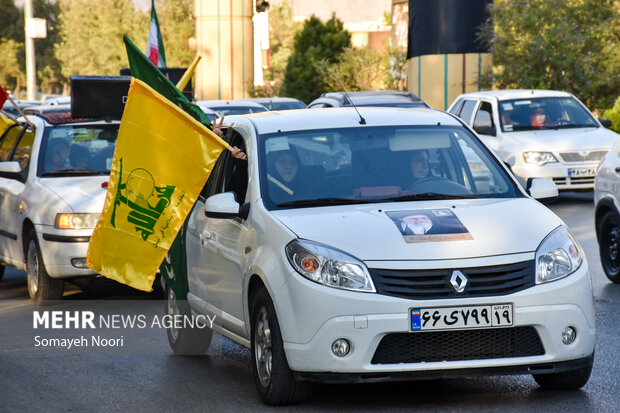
{"x":232,"y":107}
{"x":8,"y":106}
{"x":279,"y":103}
{"x":391,"y":98}
{"x":539,"y":133}
{"x":53,"y":182}
{"x":211,"y":114}
{"x":344,"y":252}
{"x":606,"y":212}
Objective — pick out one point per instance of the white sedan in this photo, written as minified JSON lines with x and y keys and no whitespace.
{"x":539,"y":133}
{"x":53,"y":181}
{"x":352,"y":250}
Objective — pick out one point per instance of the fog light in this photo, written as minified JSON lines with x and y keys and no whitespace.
{"x":568,"y":335}
{"x":79,"y":262}
{"x":341,"y":347}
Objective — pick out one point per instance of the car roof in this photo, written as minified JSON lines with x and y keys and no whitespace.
{"x":272,"y":99}
{"x":224,"y":103}
{"x":508,"y":94}
{"x":368,"y":98}
{"x":344,"y":117}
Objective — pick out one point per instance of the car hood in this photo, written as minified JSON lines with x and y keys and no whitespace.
{"x":562,"y":140}
{"x":82,"y":194}
{"x":495,"y":226}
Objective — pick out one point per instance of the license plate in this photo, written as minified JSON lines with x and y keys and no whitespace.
{"x":579,"y":172}
{"x":446,"y":318}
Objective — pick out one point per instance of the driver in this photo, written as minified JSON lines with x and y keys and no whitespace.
{"x":419,"y":164}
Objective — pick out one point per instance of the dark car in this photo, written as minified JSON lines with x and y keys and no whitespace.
{"x":390,"y":98}
{"x":279,"y":103}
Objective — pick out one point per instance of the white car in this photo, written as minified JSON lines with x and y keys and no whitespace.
{"x":232,"y":107}
{"x":53,"y":182}
{"x":607,"y":212}
{"x":539,"y":133}
{"x":381,"y":258}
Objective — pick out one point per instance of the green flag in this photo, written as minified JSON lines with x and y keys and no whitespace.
{"x":142,"y":68}
{"x":174,"y":266}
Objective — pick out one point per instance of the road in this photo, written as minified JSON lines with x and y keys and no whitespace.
{"x":144,"y":376}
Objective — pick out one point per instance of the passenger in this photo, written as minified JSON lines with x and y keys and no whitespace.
{"x":539,"y":118}
{"x":79,"y":157}
{"x":284,"y":181}
{"x":419,"y":164}
{"x":57,"y":155}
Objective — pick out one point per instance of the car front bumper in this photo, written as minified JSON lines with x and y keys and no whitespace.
{"x":559,"y":174}
{"x":312,"y":316}
{"x":63,"y":251}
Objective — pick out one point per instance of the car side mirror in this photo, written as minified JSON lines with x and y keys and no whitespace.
{"x":225,"y":206}
{"x":543,"y":190}
{"x":485,"y":130}
{"x":605,"y":122}
{"x":11,"y":170}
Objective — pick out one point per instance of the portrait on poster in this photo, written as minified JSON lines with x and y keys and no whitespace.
{"x":429,"y":225}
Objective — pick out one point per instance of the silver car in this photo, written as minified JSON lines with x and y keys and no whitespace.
{"x":539,"y":133}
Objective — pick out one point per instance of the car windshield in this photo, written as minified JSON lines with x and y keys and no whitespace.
{"x":237,"y":110}
{"x":544,"y":113}
{"x":69,"y":150}
{"x":284,"y":105}
{"x":377,"y":164}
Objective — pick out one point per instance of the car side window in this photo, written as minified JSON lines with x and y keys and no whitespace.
{"x":484,"y":116}
{"x":23,"y":149}
{"x":467,"y":110}
{"x":7,"y":141}
{"x":456,"y":109}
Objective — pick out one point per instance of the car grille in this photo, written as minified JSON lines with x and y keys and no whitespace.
{"x":574,"y":181}
{"x":435,"y":283}
{"x":430,"y":346}
{"x":577,"y":157}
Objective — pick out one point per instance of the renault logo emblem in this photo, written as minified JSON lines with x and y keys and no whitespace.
{"x":458,"y":281}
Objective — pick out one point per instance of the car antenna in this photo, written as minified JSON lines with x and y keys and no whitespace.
{"x":362,"y":120}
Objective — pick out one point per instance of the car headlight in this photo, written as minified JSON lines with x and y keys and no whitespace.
{"x":557,"y":256}
{"x":76,"y":221}
{"x":539,"y":158}
{"x":328,"y":266}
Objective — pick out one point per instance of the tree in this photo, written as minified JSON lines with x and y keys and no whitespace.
{"x":92,"y":32}
{"x":11,"y":21}
{"x":49,"y":72}
{"x":11,"y":76}
{"x":556,"y":44}
{"x":316,"y":42}
{"x":282,"y":30}
{"x":176,"y":20}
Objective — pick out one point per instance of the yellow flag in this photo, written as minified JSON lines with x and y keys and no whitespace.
{"x":162,"y":160}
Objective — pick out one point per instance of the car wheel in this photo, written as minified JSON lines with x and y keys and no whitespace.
{"x":609,"y":245}
{"x":41,"y":287}
{"x":1,"y":271}
{"x":567,"y":380}
{"x":191,"y":340}
{"x":274,"y":379}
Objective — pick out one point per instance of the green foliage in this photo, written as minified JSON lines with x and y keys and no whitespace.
{"x":11,"y":21}
{"x":176,"y":21}
{"x":571,"y":45}
{"x":282,"y":30}
{"x":91,"y":34}
{"x":11,"y":76}
{"x":49,"y":73}
{"x":613,"y":114}
{"x":316,"y":42}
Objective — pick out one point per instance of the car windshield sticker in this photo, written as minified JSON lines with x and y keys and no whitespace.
{"x":523,"y":102}
{"x":429,"y":225}
{"x":507,"y":106}
{"x":277,"y":144}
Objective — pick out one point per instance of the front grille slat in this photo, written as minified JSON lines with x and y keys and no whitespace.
{"x":578,"y":157}
{"x":435,"y":283}
{"x":458,"y":345}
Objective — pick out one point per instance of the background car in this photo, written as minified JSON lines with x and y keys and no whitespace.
{"x":539,"y":133}
{"x":11,"y":109}
{"x":350,"y":253}
{"x":279,"y":103}
{"x":607,"y":212}
{"x":232,"y":107}
{"x":391,"y":98}
{"x":211,"y":114}
{"x":53,"y":182}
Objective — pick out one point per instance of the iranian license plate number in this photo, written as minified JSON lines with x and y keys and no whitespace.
{"x":579,"y":172}
{"x":445,"y":318}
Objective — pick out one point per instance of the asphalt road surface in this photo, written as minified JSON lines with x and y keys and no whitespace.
{"x":133,"y":369}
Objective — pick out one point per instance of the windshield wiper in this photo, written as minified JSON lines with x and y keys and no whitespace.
{"x":71,"y":172}
{"x":325,"y":202}
{"x":572,"y":125}
{"x":426,"y":196}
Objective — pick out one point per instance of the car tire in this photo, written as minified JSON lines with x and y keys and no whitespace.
{"x":1,"y":271}
{"x":41,"y":287}
{"x":273,"y":377}
{"x":609,"y":245}
{"x":191,"y":340}
{"x":567,"y":380}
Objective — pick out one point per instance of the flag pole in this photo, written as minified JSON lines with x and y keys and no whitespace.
{"x":21,"y":112}
{"x":188,"y":74}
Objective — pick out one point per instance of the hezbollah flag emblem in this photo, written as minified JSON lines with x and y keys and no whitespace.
{"x":154,"y":182}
